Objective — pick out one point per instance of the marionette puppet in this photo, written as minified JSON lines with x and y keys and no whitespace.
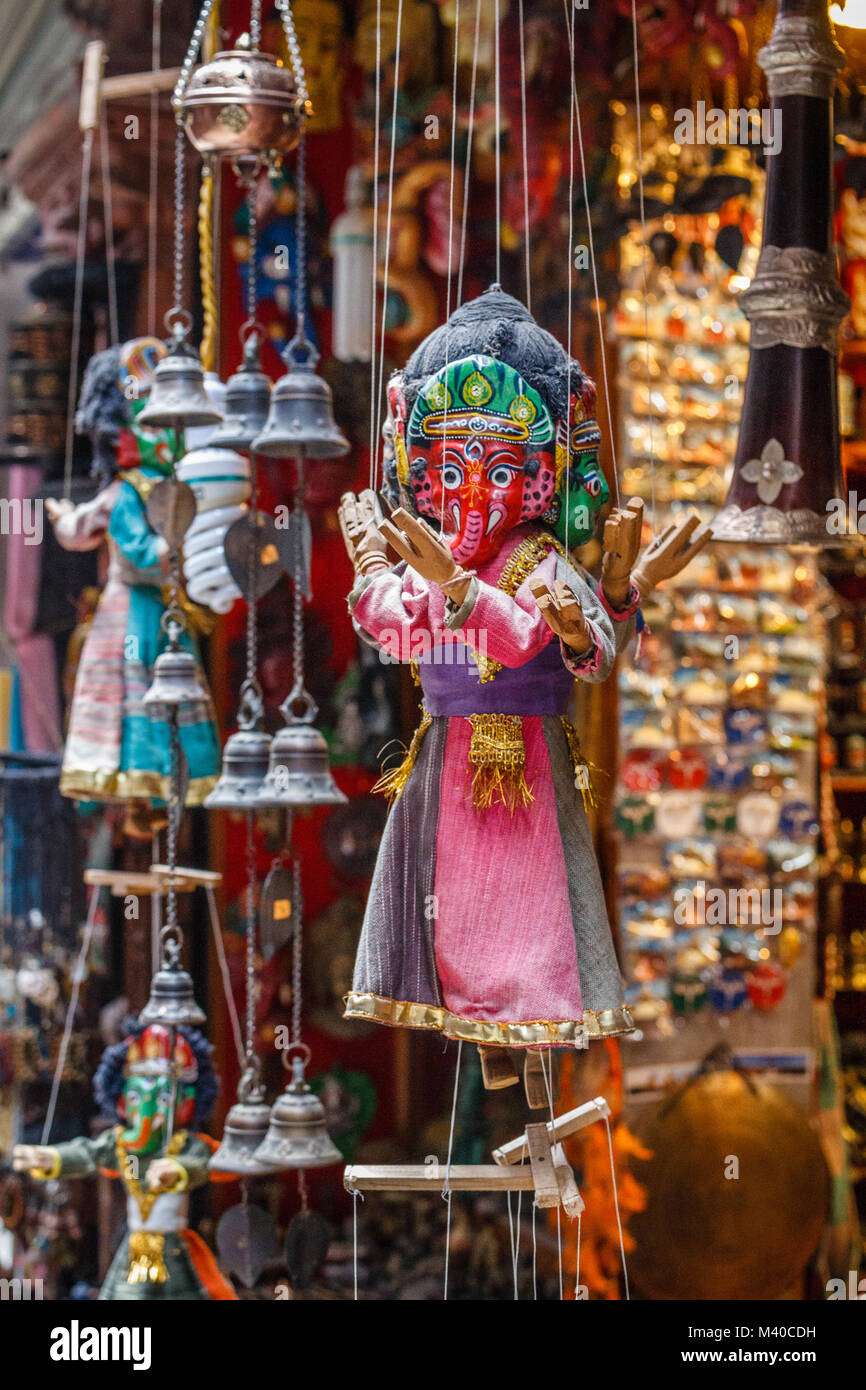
{"x":114,"y":752}
{"x":486,"y":917}
{"x":159,"y":1093}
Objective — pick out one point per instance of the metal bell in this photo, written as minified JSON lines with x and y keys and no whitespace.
{"x":245,"y":766}
{"x":242,"y":102}
{"x":171,"y":996}
{"x":297,"y":1135}
{"x":301,"y":422}
{"x":248,"y":397}
{"x":299,"y":773}
{"x":178,"y":397}
{"x":177,"y":680}
{"x":246,"y":1128}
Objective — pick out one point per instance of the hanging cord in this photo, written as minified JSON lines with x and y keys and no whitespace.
{"x":645,"y":251}
{"x":469,"y":135}
{"x":356,"y":1195}
{"x":450,"y":234}
{"x":225,"y":976}
{"x":446,"y":1188}
{"x":601,"y":338}
{"x":616,"y":1206}
{"x":108,"y":217}
{"x":498,"y":133}
{"x":525,"y":153}
{"x":386,"y":263}
{"x":153,"y":171}
{"x":577,"y":1269}
{"x":78,"y":976}
{"x":78,"y":295}
{"x":549,"y":1088}
{"x":374,"y":388}
{"x":534,"y":1251}
{"x":206,"y":266}
{"x":514,"y":1238}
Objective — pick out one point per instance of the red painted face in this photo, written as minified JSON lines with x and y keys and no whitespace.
{"x":476,"y":486}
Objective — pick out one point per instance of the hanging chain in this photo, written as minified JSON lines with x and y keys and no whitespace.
{"x":179,"y":152}
{"x":285,"y":8}
{"x":173,"y":821}
{"x":301,"y":232}
{"x":255,"y":25}
{"x":297,"y":948}
{"x":298,"y":595}
{"x":251,"y":939}
{"x":253,"y":237}
{"x":190,"y":59}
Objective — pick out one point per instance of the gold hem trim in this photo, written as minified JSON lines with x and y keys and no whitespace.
{"x":129,"y":786}
{"x":607,"y":1023}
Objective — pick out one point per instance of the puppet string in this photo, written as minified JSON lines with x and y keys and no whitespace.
{"x":356,"y":1196}
{"x":470,"y":133}
{"x":153,"y":174}
{"x":390,"y":204}
{"x":645,"y":250}
{"x":549,"y":1088}
{"x":616,"y":1207}
{"x":514,"y":1237}
{"x":577,"y":1268}
{"x":601,"y":340}
{"x":78,"y":292}
{"x":498,"y":138}
{"x":450,"y":230}
{"x":534,"y":1252}
{"x":108,"y":217}
{"x":77,"y":979}
{"x":224,"y":975}
{"x":446,"y":1189}
{"x":525,"y":152}
{"x":374,"y":392}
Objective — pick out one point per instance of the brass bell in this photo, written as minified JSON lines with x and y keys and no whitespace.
{"x":248,"y":397}
{"x":245,"y":766}
{"x":297,"y":1135}
{"x":299,"y":773}
{"x":242,"y":102}
{"x":178,"y":397}
{"x":246,"y":1127}
{"x":300,"y":421}
{"x":171,"y":995}
{"x":177,"y":680}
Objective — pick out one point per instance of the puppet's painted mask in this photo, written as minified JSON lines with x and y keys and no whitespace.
{"x":582,"y":490}
{"x":479,"y":452}
{"x":149,"y":1079}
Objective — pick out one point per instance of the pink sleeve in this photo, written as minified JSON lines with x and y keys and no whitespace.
{"x":84,"y":527}
{"x":396,"y":608}
{"x":514,"y":629}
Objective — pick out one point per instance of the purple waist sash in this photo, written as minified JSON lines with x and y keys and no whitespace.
{"x":449,"y":680}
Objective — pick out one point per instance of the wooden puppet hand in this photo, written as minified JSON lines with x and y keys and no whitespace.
{"x":56,"y":507}
{"x":670,"y":552}
{"x":427,"y":553}
{"x":560,"y":608}
{"x":163,"y":1175}
{"x":360,"y":519}
{"x":32,"y":1156}
{"x":621,"y":545}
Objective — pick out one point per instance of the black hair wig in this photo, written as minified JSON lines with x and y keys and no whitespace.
{"x":109,"y":1078}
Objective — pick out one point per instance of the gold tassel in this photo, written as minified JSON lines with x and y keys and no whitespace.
{"x":390,"y":784}
{"x":146,"y":1263}
{"x":582,"y":771}
{"x":498,"y":755}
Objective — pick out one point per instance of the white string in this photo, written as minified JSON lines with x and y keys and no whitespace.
{"x":77,"y":978}
{"x":514,"y":1238}
{"x":616,"y":1205}
{"x":469,"y":136}
{"x":601,"y":340}
{"x":450,"y":242}
{"x":525,"y":153}
{"x":356,"y":1193}
{"x":226,"y":980}
{"x":644,"y":262}
{"x":374,"y":393}
{"x":534,"y":1252}
{"x":446,"y":1189}
{"x":388,"y":234}
{"x":108,"y":216}
{"x":81,"y":242}
{"x":577,"y":1272}
{"x":496,"y":122}
{"x":549,"y":1088}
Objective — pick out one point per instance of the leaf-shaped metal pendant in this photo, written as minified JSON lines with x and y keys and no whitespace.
{"x":307,"y":1241}
{"x":296,"y":548}
{"x":179,"y":791}
{"x":171,"y":509}
{"x":246,"y":1239}
{"x":277,"y":910}
{"x":267,"y":561}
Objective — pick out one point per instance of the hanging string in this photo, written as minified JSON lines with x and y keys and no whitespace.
{"x":386,"y":265}
{"x":577,"y":1271}
{"x":153,"y":173}
{"x":450,"y":235}
{"x":601,"y":336}
{"x":446,"y":1189}
{"x":108,"y":217}
{"x":356,"y":1195}
{"x":78,"y":295}
{"x":645,"y":250}
{"x":548,"y":1086}
{"x":616,"y":1206}
{"x":534,"y":1252}
{"x":514,"y":1237}
{"x":497,"y":127}
{"x":225,"y":977}
{"x":374,"y":390}
{"x":525,"y":153}
{"x":469,"y":137}
{"x":78,"y":976}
